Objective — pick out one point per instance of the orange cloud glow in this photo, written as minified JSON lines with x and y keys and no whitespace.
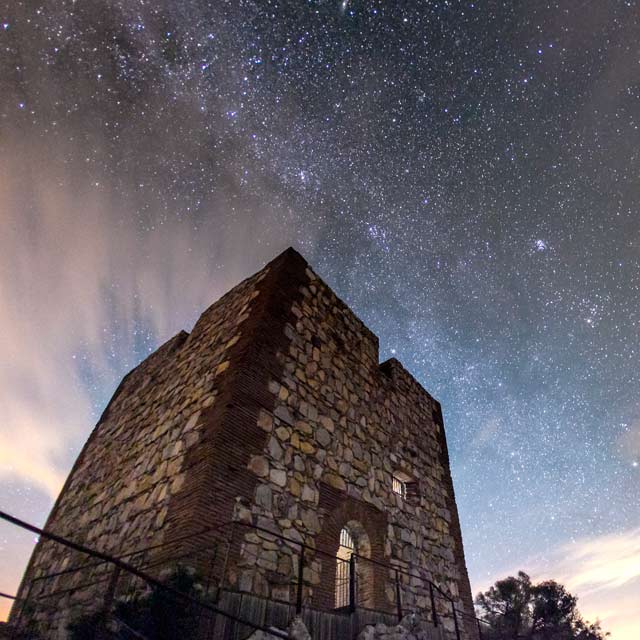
{"x":86,"y":290}
{"x":603,"y":571}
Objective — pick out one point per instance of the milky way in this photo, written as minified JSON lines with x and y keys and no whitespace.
{"x":464,"y":174}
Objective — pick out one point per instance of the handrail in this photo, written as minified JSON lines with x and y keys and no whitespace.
{"x":133,"y":570}
{"x":321,"y":552}
{"x":376,"y":562}
{"x":133,"y":553}
{"x":118,"y":560}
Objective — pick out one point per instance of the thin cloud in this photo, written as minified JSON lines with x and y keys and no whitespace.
{"x":86,"y":291}
{"x":603,"y":571}
{"x":602,"y":563}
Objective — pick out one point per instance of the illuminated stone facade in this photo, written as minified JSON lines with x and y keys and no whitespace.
{"x":275,"y":412}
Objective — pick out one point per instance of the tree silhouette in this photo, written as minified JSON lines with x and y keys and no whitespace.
{"x":517,"y":609}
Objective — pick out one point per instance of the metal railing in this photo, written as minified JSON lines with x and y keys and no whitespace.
{"x":120,"y":566}
{"x":219,"y":554}
{"x":440,"y":604}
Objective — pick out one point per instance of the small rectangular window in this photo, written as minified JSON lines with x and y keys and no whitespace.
{"x":400,"y":487}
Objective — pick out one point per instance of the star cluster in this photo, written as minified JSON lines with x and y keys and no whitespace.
{"x":464,"y":174}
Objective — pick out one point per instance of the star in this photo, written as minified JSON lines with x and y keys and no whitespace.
{"x":462,"y":174}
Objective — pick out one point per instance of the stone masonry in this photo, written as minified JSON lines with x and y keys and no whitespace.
{"x":274,"y":412}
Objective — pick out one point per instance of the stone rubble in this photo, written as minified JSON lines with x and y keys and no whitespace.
{"x":296,"y":631}
{"x":411,"y":627}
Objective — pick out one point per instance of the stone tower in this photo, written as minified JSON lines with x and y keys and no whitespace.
{"x":273,"y":412}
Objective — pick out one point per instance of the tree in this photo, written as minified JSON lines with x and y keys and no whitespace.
{"x":589,"y":631}
{"x":156,"y":614}
{"x":506,"y":606}
{"x":162,"y":615}
{"x":516,"y":609}
{"x":553,"y":612}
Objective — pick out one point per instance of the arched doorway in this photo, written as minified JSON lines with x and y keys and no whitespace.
{"x":353,"y":540}
{"x":343,"y":567}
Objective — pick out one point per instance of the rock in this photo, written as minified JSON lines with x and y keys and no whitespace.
{"x":294,"y":488}
{"x":177,"y":482}
{"x":368,"y":633}
{"x":335,"y":481}
{"x":303,"y":427}
{"x":298,"y":464}
{"x":308,"y":494}
{"x":293,"y":534}
{"x":327,"y":423}
{"x":222,"y":367}
{"x":310,"y":520}
{"x":284,"y":566}
{"x":275,"y":449}
{"x":246,"y":581}
{"x":307,"y":447}
{"x":282,"y":412}
{"x":265,"y":421}
{"x":259,"y":465}
{"x":323,"y":437}
{"x":278,"y":477}
{"x":242,"y":514}
{"x":297,"y":630}
{"x":264,"y":496}
{"x":411,"y":627}
{"x":193,"y":421}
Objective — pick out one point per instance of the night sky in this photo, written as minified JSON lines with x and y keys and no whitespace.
{"x":465,"y":175}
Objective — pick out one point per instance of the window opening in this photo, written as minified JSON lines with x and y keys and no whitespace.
{"x":400,"y":487}
{"x":345,"y":550}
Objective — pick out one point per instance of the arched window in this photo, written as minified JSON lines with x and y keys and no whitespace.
{"x":354,"y":540}
{"x":343,"y":556}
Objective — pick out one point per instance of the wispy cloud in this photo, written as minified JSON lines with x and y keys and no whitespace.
{"x":603,"y":571}
{"x":85,"y":288}
{"x":597,"y":565}
{"x":98,"y":265}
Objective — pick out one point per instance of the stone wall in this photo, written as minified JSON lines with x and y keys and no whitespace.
{"x":342,"y":425}
{"x":122,"y":492}
{"x":274,"y":412}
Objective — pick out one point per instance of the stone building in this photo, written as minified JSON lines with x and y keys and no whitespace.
{"x":274,"y":412}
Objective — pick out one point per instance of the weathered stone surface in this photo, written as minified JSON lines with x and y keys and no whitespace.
{"x":327,"y":422}
{"x":410,"y":628}
{"x":308,"y":493}
{"x":264,"y":496}
{"x":335,"y":481}
{"x":323,"y":437}
{"x":282,"y":413}
{"x":275,"y":450}
{"x":351,"y":425}
{"x":259,"y":465}
{"x":278,"y":477}
{"x":265,"y":421}
{"x":310,"y":436}
{"x":296,"y":631}
{"x":307,"y":447}
{"x":310,"y":520}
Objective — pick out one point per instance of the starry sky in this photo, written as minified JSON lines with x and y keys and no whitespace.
{"x":465,"y":175}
